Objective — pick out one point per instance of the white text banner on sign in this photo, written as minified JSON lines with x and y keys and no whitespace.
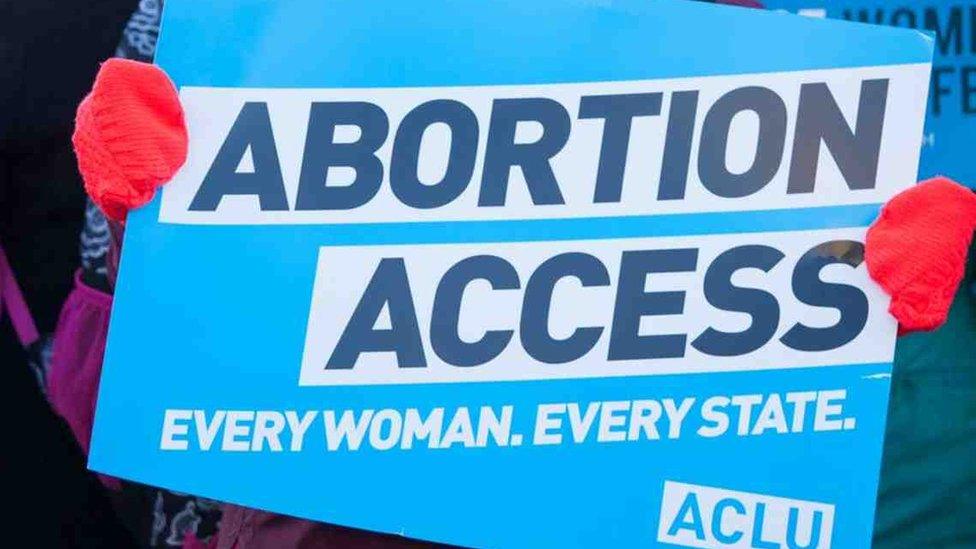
{"x":602,"y":308}
{"x":778,"y":140}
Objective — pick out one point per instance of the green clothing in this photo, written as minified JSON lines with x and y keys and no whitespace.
{"x":927,"y":496}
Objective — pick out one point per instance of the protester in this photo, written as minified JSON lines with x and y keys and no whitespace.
{"x":130,"y":139}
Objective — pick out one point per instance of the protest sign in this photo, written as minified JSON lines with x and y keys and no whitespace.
{"x":950,"y":127}
{"x":519,"y":274}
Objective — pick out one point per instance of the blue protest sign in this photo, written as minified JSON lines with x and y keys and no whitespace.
{"x":950,"y":128}
{"x":513,"y":274}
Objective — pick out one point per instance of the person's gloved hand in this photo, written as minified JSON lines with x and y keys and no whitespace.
{"x":916,"y":250}
{"x":130,"y":135}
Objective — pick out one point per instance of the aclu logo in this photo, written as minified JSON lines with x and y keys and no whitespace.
{"x":701,"y":516}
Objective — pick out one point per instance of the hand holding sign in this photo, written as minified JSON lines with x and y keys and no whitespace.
{"x":917,"y":250}
{"x":130,"y":136}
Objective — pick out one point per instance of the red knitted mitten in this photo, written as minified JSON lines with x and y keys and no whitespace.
{"x":916,"y":250}
{"x":130,"y":136}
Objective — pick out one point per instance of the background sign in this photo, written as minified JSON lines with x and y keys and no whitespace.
{"x":472,"y":274}
{"x":950,"y":128}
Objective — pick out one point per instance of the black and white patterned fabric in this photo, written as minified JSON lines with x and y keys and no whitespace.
{"x":175,"y":515}
{"x":93,"y":248}
{"x":141,"y":32}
